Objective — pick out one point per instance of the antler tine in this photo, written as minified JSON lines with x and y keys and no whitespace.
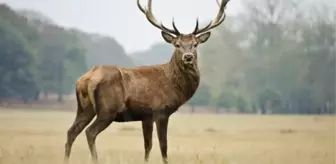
{"x":150,"y":17}
{"x":143,"y":10}
{"x":220,"y":17}
{"x":218,"y":3}
{"x":174,"y":26}
{"x":175,"y":31}
{"x":196,"y":27}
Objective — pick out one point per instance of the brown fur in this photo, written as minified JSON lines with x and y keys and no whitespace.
{"x":147,"y":93}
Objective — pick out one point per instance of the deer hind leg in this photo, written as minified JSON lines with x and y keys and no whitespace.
{"x":147,"y":129}
{"x":100,"y":124}
{"x":106,"y":113}
{"x":161,"y":127}
{"x":83,"y":118}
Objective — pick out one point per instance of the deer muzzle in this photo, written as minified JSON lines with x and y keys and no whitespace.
{"x":188,"y":57}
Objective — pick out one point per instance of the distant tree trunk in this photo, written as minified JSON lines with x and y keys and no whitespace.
{"x":25,"y":100}
{"x":37,"y":95}
{"x":254,"y":109}
{"x":263,"y":108}
{"x":60,"y":97}
{"x":60,"y":82}
{"x":45,"y":95}
{"x":319,"y":110}
{"x":217,"y":109}
{"x":269,"y":106}
{"x":192,"y":108}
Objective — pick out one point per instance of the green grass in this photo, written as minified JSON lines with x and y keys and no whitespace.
{"x":37,"y":137}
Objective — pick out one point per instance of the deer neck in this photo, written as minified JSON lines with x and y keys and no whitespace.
{"x":184,"y":78}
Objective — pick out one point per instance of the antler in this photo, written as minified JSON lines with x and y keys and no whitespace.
{"x":150,"y":17}
{"x":216,"y":22}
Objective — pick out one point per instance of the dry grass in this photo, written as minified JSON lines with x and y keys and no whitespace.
{"x":37,"y":137}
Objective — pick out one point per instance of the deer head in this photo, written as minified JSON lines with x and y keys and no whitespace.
{"x":185,"y":44}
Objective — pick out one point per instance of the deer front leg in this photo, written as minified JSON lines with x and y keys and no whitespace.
{"x":162,"y":126}
{"x":147,"y":129}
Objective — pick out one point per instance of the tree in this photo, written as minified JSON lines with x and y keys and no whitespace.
{"x":241,"y":104}
{"x":226,"y":99}
{"x":61,"y":62}
{"x":201,"y":97}
{"x":103,"y":50}
{"x":269,"y":101}
{"x":156,"y":54}
{"x":17,"y":78}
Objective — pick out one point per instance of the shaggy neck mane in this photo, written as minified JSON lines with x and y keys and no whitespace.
{"x":184,"y":77}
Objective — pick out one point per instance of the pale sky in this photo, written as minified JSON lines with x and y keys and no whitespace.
{"x":122,"y":19}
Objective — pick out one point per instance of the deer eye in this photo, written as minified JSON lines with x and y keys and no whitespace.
{"x":177,"y":45}
{"x":195,"y":45}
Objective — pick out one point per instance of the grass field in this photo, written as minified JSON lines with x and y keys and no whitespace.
{"x":36,"y":137}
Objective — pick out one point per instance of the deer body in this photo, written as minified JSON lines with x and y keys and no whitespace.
{"x":138,"y":93}
{"x":148,"y":93}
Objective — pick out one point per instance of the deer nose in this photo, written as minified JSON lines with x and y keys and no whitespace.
{"x":188,"y":57}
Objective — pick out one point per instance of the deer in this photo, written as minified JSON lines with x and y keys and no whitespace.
{"x":150,"y":94}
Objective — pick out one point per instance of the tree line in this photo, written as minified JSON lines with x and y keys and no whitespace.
{"x":276,"y":57}
{"x":39,"y":57}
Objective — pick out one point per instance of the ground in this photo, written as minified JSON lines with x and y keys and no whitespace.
{"x":37,"y":137}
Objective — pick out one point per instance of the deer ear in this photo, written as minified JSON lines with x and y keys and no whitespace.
{"x":203,"y":37}
{"x":167,"y":37}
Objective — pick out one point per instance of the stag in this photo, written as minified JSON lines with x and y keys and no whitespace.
{"x":150,"y":94}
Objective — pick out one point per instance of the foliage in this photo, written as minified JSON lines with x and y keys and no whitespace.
{"x":38,"y":56}
{"x":156,"y":54}
{"x":227,"y":99}
{"x":270,"y":99}
{"x":17,"y":78}
{"x":266,"y":53}
{"x":201,"y":97}
{"x":241,"y":104}
{"x":102,"y":50}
